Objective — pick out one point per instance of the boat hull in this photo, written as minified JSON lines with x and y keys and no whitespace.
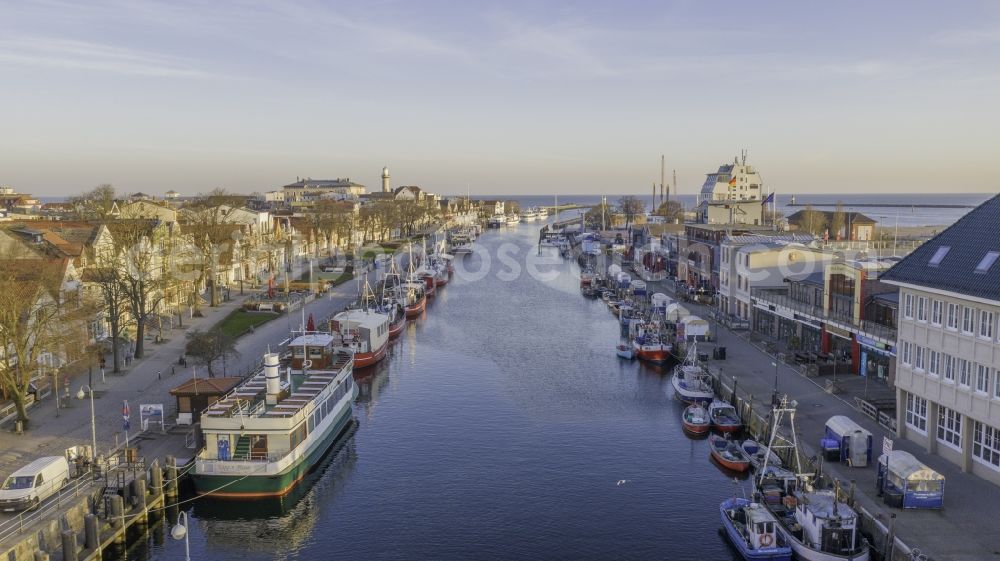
{"x":416,"y":309}
{"x":695,"y":428}
{"x":396,"y":328}
{"x":243,"y":487}
{"x":362,"y":360}
{"x":690,"y":397}
{"x":740,"y":464}
{"x":626,"y":352}
{"x":809,"y":554}
{"x":764,"y":554}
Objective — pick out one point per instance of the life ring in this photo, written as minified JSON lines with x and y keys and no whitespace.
{"x":766,"y":540}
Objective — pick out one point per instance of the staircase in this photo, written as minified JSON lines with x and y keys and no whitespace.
{"x":242,"y":450}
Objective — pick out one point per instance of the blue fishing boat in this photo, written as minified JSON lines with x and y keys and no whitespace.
{"x":753,"y":530}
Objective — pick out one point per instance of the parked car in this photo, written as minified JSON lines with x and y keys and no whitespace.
{"x":33,"y":483}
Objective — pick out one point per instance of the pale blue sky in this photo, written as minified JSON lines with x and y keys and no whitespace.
{"x":508,"y":97}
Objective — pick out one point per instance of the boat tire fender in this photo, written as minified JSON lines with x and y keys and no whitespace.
{"x":766,"y":540}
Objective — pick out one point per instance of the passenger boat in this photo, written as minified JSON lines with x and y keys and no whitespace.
{"x":461,"y":243}
{"x":690,"y":382}
{"x":513,"y":219}
{"x":543,"y":213}
{"x":695,"y":419}
{"x":364,"y":333}
{"x":724,"y":416}
{"x":728,"y":453}
{"x":815,"y":524}
{"x":753,"y":531}
{"x":265,"y":435}
{"x":529,"y":215}
{"x":625,"y":350}
{"x":496,"y":221}
{"x":759,"y":455}
{"x":411,"y":295}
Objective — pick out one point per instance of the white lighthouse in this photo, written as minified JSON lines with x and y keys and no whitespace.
{"x":385,"y":179}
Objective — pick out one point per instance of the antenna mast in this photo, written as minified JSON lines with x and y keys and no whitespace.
{"x":663,"y":163}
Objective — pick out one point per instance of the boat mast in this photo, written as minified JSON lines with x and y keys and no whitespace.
{"x":778,"y":413}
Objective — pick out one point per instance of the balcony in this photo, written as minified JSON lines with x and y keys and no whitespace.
{"x":766,"y":298}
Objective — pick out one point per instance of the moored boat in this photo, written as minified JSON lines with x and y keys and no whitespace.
{"x":690,"y":383}
{"x":728,"y":453}
{"x":364,"y":333}
{"x":264,"y":436}
{"x":695,"y":419}
{"x":411,"y":294}
{"x":753,"y":531}
{"x":724,"y":416}
{"x":759,"y":455}
{"x":625,"y":350}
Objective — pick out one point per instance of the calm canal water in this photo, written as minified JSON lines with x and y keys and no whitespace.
{"x":498,"y":428}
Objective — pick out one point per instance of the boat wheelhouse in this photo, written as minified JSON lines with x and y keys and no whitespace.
{"x":363,"y":332}
{"x":753,"y":530}
{"x":265,"y":435}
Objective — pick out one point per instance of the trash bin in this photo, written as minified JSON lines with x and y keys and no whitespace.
{"x":703,"y":357}
{"x":722,"y":352}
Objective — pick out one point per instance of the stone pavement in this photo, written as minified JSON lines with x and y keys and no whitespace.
{"x":963,"y":531}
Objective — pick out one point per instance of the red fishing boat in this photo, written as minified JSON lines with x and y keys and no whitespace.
{"x":724,"y":416}
{"x":695,"y":420}
{"x":413,"y":298}
{"x":364,"y":332}
{"x":729,"y":454}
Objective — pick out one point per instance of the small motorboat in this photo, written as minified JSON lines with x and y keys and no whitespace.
{"x":757,"y":454}
{"x":724,"y":416}
{"x":753,"y":530}
{"x":625,"y":350}
{"x":695,"y":419}
{"x":728,"y":453}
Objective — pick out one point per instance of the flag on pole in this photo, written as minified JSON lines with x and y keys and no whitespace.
{"x":768,"y":199}
{"x":732,"y":181}
{"x":126,"y":415}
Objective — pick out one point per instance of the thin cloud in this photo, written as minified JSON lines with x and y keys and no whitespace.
{"x":85,"y":55}
{"x":968,"y":37}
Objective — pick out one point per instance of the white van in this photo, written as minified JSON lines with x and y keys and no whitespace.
{"x":34,"y":483}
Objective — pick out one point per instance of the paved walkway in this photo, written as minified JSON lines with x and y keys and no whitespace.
{"x":146,"y":381}
{"x":964,"y":531}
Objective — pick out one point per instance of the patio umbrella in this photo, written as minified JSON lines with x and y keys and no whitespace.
{"x":310,"y":325}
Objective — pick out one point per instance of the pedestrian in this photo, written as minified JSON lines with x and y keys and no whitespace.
{"x":252,"y":330}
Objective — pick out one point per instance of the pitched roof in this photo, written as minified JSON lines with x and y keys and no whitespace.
{"x":968,"y":242}
{"x":849,"y":217}
{"x":211,"y":386}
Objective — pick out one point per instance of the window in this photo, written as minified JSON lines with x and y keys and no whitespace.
{"x":967,"y":320}
{"x":986,"y":443}
{"x":916,"y":412}
{"x":952,"y":316}
{"x":933,"y":362}
{"x":921,"y":309}
{"x":988,"y":260}
{"x":918,"y":357}
{"x":986,"y":324}
{"x":936,"y":312}
{"x":949,"y":428}
{"x":938,"y":255}
{"x":908,"y":306}
{"x":906,"y":352}
{"x":982,"y":378}
{"x":964,"y":372}
{"x":949,"y":367}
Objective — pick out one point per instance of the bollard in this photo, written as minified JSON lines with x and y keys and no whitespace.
{"x":156,"y":478}
{"x":171,"y":476}
{"x":92,"y":537}
{"x":118,"y":518}
{"x":69,"y":552}
{"x":140,"y":504}
{"x":41,"y":556}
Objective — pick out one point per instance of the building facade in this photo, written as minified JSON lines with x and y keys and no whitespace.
{"x":949,"y":343}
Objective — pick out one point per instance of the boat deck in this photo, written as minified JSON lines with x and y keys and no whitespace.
{"x":248,"y":399}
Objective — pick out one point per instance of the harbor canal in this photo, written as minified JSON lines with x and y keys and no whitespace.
{"x":501,"y":426}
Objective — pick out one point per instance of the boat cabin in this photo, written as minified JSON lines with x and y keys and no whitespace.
{"x":826,"y":524}
{"x":313,"y":350}
{"x":760,"y":527}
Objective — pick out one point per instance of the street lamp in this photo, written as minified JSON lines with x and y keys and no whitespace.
{"x":93,"y":422}
{"x":180,"y":532}
{"x":777,"y":359}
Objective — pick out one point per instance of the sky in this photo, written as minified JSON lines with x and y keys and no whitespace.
{"x":504,"y":97}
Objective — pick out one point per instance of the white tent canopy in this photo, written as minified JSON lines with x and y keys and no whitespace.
{"x":904,"y":466}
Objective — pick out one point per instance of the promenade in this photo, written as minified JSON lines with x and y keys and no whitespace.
{"x":963,"y":531}
{"x":149,"y":380}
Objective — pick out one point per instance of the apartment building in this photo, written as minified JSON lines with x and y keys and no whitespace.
{"x":949,"y":343}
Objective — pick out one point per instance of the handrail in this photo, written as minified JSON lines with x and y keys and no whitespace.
{"x":26,"y":518}
{"x":866,"y":327}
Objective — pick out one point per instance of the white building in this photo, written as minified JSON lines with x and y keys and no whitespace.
{"x":737,"y":181}
{"x":948,"y":347}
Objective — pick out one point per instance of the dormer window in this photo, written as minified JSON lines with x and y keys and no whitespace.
{"x":988,"y":260}
{"x":939,"y":255}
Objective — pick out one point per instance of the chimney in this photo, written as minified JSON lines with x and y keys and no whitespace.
{"x":272,"y":378}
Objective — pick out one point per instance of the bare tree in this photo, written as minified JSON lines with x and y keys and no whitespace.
{"x":140,"y":266}
{"x":207,"y":222}
{"x":838,"y":221}
{"x":671,"y":210}
{"x":107,"y":279}
{"x":210,"y":346}
{"x":812,"y":221}
{"x":31,"y":322}
{"x":97,"y":204}
{"x":630,"y":207}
